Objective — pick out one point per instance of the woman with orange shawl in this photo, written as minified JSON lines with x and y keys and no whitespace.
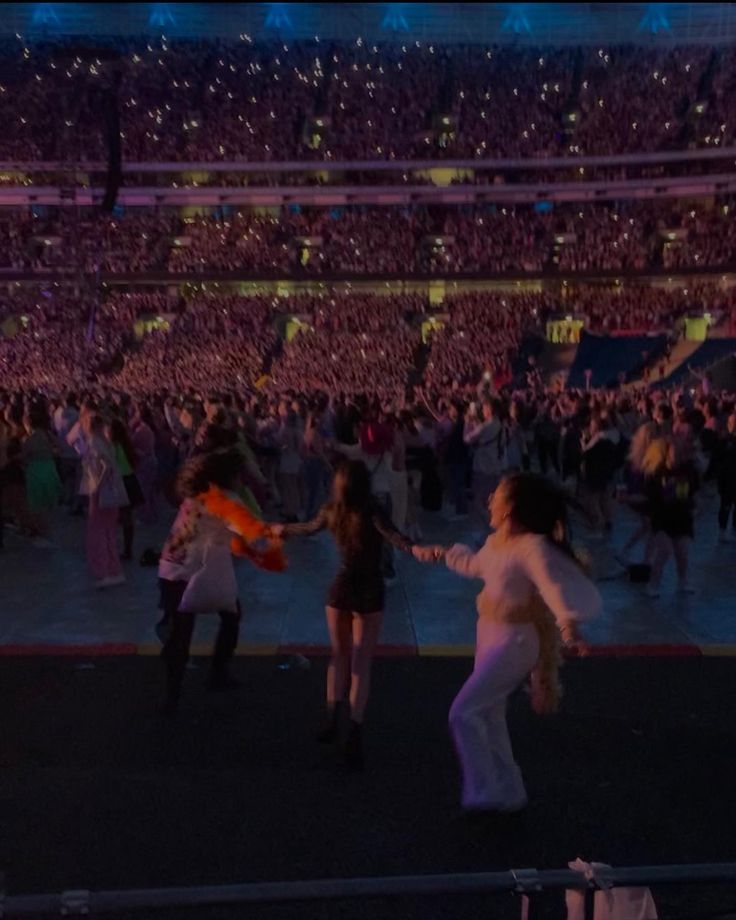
{"x":196,"y":572}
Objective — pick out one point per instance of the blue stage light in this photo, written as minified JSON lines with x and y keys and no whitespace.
{"x":395,"y":18}
{"x":161,"y":15}
{"x":655,"y":19}
{"x":44,"y":14}
{"x":516,"y":20}
{"x":277,"y":17}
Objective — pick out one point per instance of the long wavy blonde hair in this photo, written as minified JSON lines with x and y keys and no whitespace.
{"x":655,"y":456}
{"x":643,"y":437}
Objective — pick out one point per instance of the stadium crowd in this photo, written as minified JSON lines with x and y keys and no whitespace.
{"x":212,"y":101}
{"x":445,"y":449}
{"x":361,"y":240}
{"x":57,"y":335}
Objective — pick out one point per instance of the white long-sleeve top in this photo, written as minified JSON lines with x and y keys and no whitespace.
{"x":515,"y":570}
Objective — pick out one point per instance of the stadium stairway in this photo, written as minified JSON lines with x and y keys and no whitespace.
{"x":556,"y":362}
{"x":680,"y":354}
{"x":705,"y":84}
{"x":550,"y":359}
{"x":609,"y":356}
{"x":573,"y":98}
{"x":272,"y":355}
{"x":701,"y":359}
{"x":416,"y":374}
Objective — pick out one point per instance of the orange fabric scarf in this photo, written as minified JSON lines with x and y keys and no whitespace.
{"x":248,"y":528}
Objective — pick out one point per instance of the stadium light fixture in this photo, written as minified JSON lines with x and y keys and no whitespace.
{"x":394,"y":19}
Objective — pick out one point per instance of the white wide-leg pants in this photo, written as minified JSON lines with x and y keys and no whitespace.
{"x":505,"y":655}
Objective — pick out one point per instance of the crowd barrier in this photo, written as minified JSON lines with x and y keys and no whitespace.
{"x":524,"y":882}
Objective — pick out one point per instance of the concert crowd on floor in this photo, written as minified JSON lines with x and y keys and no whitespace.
{"x":661,"y":445}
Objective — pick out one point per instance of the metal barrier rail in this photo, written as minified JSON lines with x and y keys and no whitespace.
{"x":531,"y":163}
{"x":521,"y":881}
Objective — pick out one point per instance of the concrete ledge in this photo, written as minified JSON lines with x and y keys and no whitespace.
{"x":245,"y":649}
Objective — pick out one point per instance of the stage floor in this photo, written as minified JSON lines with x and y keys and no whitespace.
{"x":48,"y":604}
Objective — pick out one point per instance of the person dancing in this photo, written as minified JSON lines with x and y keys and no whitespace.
{"x":355,"y":602}
{"x":196,"y":573}
{"x":533,"y":590}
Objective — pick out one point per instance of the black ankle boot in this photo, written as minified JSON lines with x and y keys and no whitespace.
{"x":354,"y":748}
{"x":332,"y":727}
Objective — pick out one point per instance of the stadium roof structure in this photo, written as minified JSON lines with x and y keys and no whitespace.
{"x":533,"y":24}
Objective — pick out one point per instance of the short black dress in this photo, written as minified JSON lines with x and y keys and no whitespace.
{"x":670,"y":503}
{"x":358,"y":586}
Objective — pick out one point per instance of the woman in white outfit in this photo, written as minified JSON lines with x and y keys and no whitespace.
{"x":534,"y":590}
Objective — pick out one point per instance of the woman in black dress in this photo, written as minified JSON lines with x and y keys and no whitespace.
{"x":670,"y":490}
{"x":355,"y":600}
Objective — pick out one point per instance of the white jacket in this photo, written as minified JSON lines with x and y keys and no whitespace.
{"x":514,"y":570}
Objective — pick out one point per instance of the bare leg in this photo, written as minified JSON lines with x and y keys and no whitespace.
{"x":366,"y":630}
{"x":637,"y":535}
{"x":681,"y":547}
{"x":662,"y":552}
{"x":338,"y":626}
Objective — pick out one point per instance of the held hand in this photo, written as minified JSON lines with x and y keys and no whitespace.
{"x":428,"y":553}
{"x":276,"y":531}
{"x":577,"y":649}
{"x":421,"y":553}
{"x":575,"y":645}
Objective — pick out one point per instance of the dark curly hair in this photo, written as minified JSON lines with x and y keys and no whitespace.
{"x":220,"y":468}
{"x":217,"y":437}
{"x":539,"y":506}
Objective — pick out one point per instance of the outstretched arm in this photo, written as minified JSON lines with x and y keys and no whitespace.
{"x":464,"y":561}
{"x":570,"y":595}
{"x":302,"y":530}
{"x":384,"y":525}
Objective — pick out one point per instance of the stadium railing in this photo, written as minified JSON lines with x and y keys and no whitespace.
{"x":524,"y":882}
